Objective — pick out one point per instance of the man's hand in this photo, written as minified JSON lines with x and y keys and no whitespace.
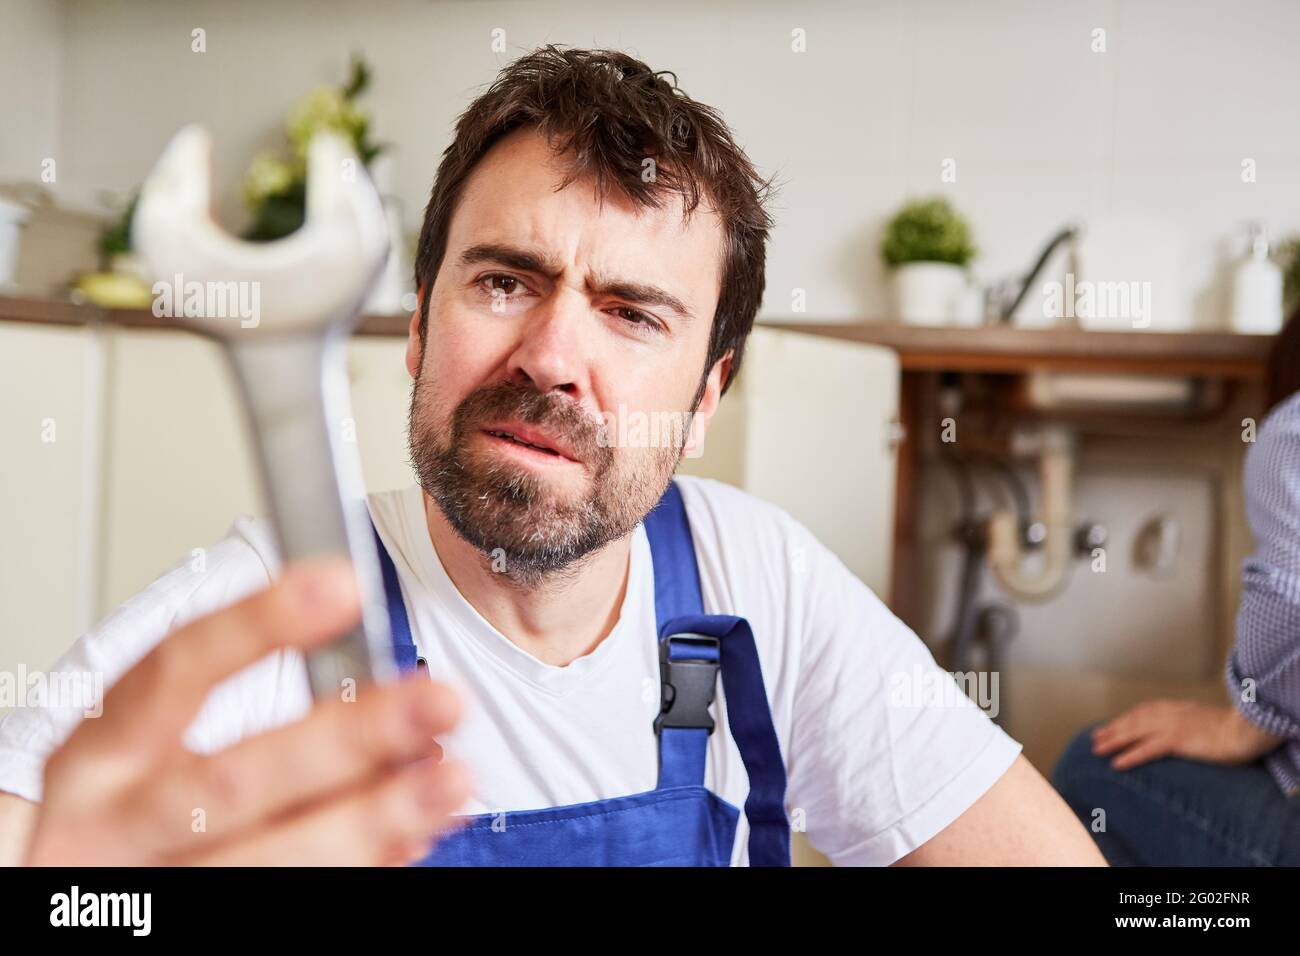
{"x":353,"y":783}
{"x":1181,"y":728}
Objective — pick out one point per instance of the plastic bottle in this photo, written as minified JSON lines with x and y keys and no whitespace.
{"x":1257,"y":289}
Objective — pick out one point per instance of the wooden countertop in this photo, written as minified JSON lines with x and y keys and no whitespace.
{"x":983,"y":348}
{"x":19,"y":308}
{"x":1013,"y":350}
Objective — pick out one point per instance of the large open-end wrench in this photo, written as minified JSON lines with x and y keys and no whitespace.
{"x":289,"y":359}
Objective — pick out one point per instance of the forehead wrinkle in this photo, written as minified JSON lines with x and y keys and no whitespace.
{"x":641,"y":292}
{"x":527,"y":259}
{"x":520,"y":243}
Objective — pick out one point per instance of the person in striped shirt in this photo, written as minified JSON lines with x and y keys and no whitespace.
{"x":1183,"y":783}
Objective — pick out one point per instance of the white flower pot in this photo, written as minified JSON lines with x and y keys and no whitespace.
{"x":928,"y":293}
{"x":12,"y":219}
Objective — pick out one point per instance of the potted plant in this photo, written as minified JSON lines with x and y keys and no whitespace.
{"x":1288,"y":256}
{"x":122,"y":281}
{"x":275,"y":186}
{"x":927,"y":246}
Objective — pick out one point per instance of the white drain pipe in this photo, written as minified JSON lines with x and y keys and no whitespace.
{"x":1054,"y":445}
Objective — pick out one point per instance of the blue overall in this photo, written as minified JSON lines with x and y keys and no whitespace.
{"x":680,"y":822}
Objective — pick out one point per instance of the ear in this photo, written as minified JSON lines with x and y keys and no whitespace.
{"x":718,"y":376}
{"x":414,"y":350}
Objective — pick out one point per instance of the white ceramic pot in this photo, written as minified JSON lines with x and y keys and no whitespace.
{"x":928,"y":293}
{"x":12,"y":219}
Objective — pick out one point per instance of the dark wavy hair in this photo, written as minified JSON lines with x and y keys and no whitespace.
{"x":613,"y":112}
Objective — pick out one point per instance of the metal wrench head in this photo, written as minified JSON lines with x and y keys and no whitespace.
{"x":315,"y":279}
{"x":310,"y":286}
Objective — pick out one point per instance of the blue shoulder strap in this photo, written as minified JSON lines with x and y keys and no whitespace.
{"x":687,"y":634}
{"x":404,"y":652}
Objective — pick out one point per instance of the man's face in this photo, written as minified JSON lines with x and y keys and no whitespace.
{"x":553,"y":315}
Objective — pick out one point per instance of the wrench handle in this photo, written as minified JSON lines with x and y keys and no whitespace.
{"x":296,"y":396}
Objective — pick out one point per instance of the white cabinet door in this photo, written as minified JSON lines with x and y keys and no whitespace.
{"x":807,"y":427}
{"x":178,"y":466}
{"x":46,"y":470}
{"x":181,"y":466}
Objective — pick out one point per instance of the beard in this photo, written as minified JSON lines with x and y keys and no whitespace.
{"x":533,"y":527}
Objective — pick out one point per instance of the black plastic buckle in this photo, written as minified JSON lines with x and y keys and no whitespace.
{"x":686,"y":686}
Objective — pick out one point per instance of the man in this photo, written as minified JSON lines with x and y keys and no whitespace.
{"x":638,"y":658}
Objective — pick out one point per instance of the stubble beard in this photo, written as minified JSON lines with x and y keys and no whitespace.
{"x":531,"y":531}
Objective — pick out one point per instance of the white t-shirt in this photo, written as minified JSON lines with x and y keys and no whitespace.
{"x":875,"y":767}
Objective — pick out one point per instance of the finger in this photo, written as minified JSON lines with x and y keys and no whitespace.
{"x":1117,"y":737}
{"x":311,"y":603}
{"x":338,"y":746}
{"x":1113,"y":726}
{"x":416,"y":850}
{"x":1108,"y":745}
{"x":1148,"y":749}
{"x":375,"y":826}
{"x":1102,"y":733}
{"x":1128,"y":726}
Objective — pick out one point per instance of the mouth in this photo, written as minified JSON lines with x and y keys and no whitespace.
{"x":530,"y":443}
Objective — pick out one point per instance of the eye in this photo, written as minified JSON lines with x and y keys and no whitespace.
{"x":643,"y":322}
{"x":508,"y":283}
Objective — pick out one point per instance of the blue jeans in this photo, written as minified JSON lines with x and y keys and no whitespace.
{"x":1176,"y":812}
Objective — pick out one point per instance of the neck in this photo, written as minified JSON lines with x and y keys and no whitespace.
{"x":557,"y":621}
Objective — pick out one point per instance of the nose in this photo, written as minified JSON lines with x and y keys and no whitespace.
{"x":551,"y":353}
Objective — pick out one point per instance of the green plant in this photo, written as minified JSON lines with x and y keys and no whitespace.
{"x":927,"y":230}
{"x":115,"y":238}
{"x":1288,"y":257}
{"x":275,"y":186}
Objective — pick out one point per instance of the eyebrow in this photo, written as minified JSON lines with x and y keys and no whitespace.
{"x":525,"y":260}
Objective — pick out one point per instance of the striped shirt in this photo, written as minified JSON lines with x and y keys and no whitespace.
{"x":1263,"y":673}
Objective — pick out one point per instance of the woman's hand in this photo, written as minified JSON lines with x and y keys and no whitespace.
{"x":352,"y":783}
{"x":1181,"y":728}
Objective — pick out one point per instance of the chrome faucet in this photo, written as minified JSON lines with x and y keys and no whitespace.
{"x":1006,"y":296}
